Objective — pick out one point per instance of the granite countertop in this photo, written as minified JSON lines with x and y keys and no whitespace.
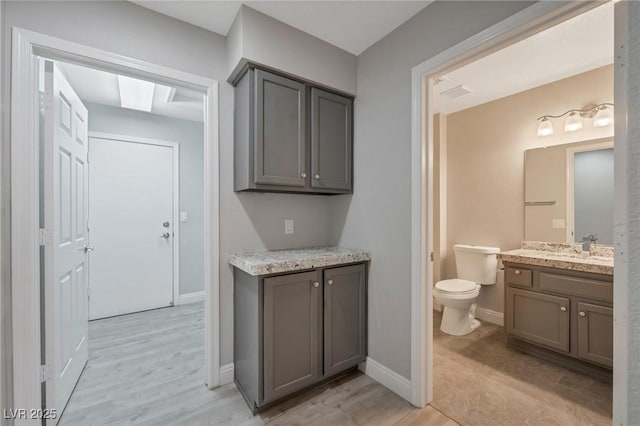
{"x":276,"y":261}
{"x":560,"y":256}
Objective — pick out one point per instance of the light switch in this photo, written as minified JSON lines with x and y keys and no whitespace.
{"x":288,"y":226}
{"x":184,"y":217}
{"x":557,"y":223}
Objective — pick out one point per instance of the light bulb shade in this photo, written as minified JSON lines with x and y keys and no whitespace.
{"x":573,"y":123}
{"x":603,"y":118}
{"x":545,"y":128}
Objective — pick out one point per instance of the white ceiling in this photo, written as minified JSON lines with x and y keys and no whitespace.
{"x":572,"y":47}
{"x":102,"y":88}
{"x":349,"y":25}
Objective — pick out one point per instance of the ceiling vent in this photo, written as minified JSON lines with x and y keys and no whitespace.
{"x":456,"y":92}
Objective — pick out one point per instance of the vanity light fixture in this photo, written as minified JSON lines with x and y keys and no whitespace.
{"x":602,"y":116}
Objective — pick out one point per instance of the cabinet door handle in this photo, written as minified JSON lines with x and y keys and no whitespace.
{"x":582,"y":314}
{"x":316,"y":284}
{"x":563,"y":308}
{"x":303,"y":175}
{"x":329,"y":282}
{"x":517,"y":272}
{"x":316,"y":177}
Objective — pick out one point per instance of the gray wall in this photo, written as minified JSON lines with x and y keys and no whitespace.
{"x":261,"y":39}
{"x":377,"y":216}
{"x":247,"y":221}
{"x":627,"y":152}
{"x":190,"y":137}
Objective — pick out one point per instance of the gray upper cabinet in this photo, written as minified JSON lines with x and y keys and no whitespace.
{"x":331,"y":140}
{"x":344,"y":318}
{"x":292,"y":329}
{"x":291,"y":136}
{"x":280,"y":131}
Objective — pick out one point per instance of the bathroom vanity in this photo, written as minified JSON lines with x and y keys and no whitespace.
{"x":560,"y":306}
{"x":299,"y":319}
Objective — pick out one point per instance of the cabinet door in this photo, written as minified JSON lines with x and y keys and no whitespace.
{"x":539,"y":318}
{"x":595,"y":333}
{"x":344,"y":318}
{"x":331,"y":140}
{"x":292,"y":333}
{"x":280,"y":137}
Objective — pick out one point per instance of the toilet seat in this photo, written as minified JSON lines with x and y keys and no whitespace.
{"x":456,"y":286}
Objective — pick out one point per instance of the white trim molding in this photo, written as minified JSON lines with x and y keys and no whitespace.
{"x":25,"y":259}
{"x":488,"y":315}
{"x":518,"y":26}
{"x":184,"y":299}
{"x":226,"y":374}
{"x":387,"y":377}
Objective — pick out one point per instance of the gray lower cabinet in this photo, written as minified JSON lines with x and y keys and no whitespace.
{"x":563,"y":312}
{"x":291,"y":136}
{"x":292,"y":330}
{"x":292,"y":333}
{"x":595,"y":333}
{"x":344,"y":318}
{"x":539,"y":318}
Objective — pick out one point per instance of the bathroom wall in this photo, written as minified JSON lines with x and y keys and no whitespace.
{"x":485,"y":161}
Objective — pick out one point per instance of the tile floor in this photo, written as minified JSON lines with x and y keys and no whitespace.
{"x":480,"y":381}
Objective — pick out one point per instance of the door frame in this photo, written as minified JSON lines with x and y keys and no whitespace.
{"x":570,"y":153}
{"x":518,"y":26}
{"x":27,"y":46}
{"x":175,"y":191}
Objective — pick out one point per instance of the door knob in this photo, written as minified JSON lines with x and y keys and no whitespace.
{"x":563,"y":308}
{"x":166,"y":235}
{"x":86,"y":249}
{"x":165,"y":224}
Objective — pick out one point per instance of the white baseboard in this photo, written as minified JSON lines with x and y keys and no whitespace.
{"x":198,"y":296}
{"x":387,"y":378}
{"x":226,"y":374}
{"x":488,"y":315}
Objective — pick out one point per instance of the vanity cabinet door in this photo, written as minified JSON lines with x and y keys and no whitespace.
{"x":344,"y":318}
{"x":595,"y":333}
{"x":539,"y":318}
{"x":292,"y":333}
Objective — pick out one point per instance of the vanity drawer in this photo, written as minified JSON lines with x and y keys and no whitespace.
{"x":518,"y":276}
{"x":576,"y":286}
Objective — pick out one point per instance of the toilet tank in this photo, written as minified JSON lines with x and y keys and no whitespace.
{"x":476,"y":263}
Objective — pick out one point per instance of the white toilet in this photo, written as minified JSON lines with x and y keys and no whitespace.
{"x":476,"y":266}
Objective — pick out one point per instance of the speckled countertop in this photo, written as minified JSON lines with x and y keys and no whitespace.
{"x":561,"y":256}
{"x":276,"y":261}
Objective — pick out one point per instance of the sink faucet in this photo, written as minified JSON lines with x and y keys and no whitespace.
{"x":589,"y":243}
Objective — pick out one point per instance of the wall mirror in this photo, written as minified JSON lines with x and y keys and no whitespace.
{"x":568,"y":192}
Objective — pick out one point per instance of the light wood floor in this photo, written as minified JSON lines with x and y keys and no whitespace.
{"x":147,"y":369}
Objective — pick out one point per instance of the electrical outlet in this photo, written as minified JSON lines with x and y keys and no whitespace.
{"x":184,"y":217}
{"x":557,"y":223}
{"x":288,"y":226}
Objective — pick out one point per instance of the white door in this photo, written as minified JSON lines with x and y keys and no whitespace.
{"x":65,"y":217}
{"x":131,"y":208}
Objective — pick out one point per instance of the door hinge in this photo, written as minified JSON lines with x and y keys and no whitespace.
{"x":431,"y":256}
{"x":43,"y":100}
{"x":46,"y":373}
{"x":45,"y":237}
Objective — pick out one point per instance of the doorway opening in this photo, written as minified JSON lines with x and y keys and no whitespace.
{"x":428,"y":218}
{"x":114,"y":152}
{"x":110,"y":184}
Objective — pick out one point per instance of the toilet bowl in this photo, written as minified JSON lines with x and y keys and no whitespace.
{"x":476,"y":266}
{"x":457,"y":297}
